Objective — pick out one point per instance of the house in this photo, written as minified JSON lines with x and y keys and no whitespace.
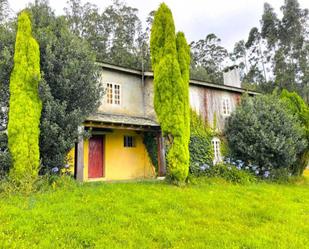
{"x":115,"y":149}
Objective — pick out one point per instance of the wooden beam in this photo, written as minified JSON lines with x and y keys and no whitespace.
{"x":80,"y":159}
{"x":161,"y":155}
{"x":121,"y":126}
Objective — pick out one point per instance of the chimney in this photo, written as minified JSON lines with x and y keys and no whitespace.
{"x":231,"y":76}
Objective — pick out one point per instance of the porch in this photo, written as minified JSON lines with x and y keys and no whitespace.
{"x":115,"y":149}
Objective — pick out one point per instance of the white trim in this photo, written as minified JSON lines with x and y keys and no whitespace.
{"x":113,"y":93}
{"x":216,"y":147}
{"x":226,"y":107}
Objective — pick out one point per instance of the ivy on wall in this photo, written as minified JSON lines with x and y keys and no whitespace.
{"x":151,"y":145}
{"x":200,"y":147}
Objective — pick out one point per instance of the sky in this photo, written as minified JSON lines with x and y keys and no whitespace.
{"x":230,"y":20}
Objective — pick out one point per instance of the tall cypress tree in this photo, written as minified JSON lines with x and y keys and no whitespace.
{"x":183,"y":51}
{"x":170,"y":62}
{"x":25,"y":104}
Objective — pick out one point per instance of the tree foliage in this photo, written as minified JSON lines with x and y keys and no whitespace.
{"x":7,"y":40}
{"x":115,"y":34}
{"x":261,"y":132}
{"x":298,"y":108}
{"x":25,"y":104}
{"x":70,"y":89}
{"x":208,"y":55}
{"x":278,"y":50}
{"x":170,"y":61}
{"x":3,"y":10}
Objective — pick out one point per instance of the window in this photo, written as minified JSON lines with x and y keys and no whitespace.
{"x":109,"y":93}
{"x":117,"y":94}
{"x":113,"y":93}
{"x":226,"y":106}
{"x":216,"y":146}
{"x":128,"y":141}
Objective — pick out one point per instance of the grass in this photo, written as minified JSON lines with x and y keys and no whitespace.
{"x":210,"y":214}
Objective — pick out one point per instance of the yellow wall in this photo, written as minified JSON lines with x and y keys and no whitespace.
{"x":120,"y":162}
{"x":71,"y":160}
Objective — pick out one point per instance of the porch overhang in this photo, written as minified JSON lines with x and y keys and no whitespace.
{"x":112,"y":121}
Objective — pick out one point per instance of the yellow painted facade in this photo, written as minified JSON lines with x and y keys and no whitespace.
{"x":121,"y":163}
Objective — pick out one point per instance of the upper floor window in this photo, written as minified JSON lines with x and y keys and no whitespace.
{"x":226,"y":106}
{"x":113,"y":93}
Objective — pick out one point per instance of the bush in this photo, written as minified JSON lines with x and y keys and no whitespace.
{"x":260,"y":132}
{"x":200,"y":147}
{"x":5,"y":157}
{"x":230,"y":173}
{"x":43,"y":183}
{"x":300,"y":110}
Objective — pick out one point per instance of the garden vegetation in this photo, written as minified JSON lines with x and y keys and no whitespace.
{"x":262,"y":133}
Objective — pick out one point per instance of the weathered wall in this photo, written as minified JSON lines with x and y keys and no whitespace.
{"x":149,"y":95}
{"x":131,"y":93}
{"x":137,"y":100}
{"x":208,"y":103}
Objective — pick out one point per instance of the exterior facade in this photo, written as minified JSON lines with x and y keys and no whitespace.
{"x":115,"y":149}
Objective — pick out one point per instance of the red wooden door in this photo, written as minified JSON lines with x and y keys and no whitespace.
{"x":95,"y":160}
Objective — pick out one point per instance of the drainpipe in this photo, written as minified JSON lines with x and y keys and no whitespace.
{"x":143,"y":83}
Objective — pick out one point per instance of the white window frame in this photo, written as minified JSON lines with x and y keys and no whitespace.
{"x":113,"y":94}
{"x":216,"y":147}
{"x":226,"y":107}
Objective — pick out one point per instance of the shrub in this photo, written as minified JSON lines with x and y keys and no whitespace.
{"x":260,"y":132}
{"x":5,"y":157}
{"x":230,"y":173}
{"x":298,"y":108}
{"x":43,"y":183}
{"x":200,"y":147}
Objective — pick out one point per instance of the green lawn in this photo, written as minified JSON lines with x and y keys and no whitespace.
{"x":211,"y":214}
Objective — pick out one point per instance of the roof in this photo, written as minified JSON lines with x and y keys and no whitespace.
{"x":121,"y":119}
{"x":192,"y":81}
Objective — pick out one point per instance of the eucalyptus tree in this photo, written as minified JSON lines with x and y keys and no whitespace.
{"x":210,"y":55}
{"x":115,"y":34}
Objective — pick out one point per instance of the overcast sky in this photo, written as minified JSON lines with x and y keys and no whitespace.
{"x":231,"y":20}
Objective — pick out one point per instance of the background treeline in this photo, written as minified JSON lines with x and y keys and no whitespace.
{"x":275,"y":54}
